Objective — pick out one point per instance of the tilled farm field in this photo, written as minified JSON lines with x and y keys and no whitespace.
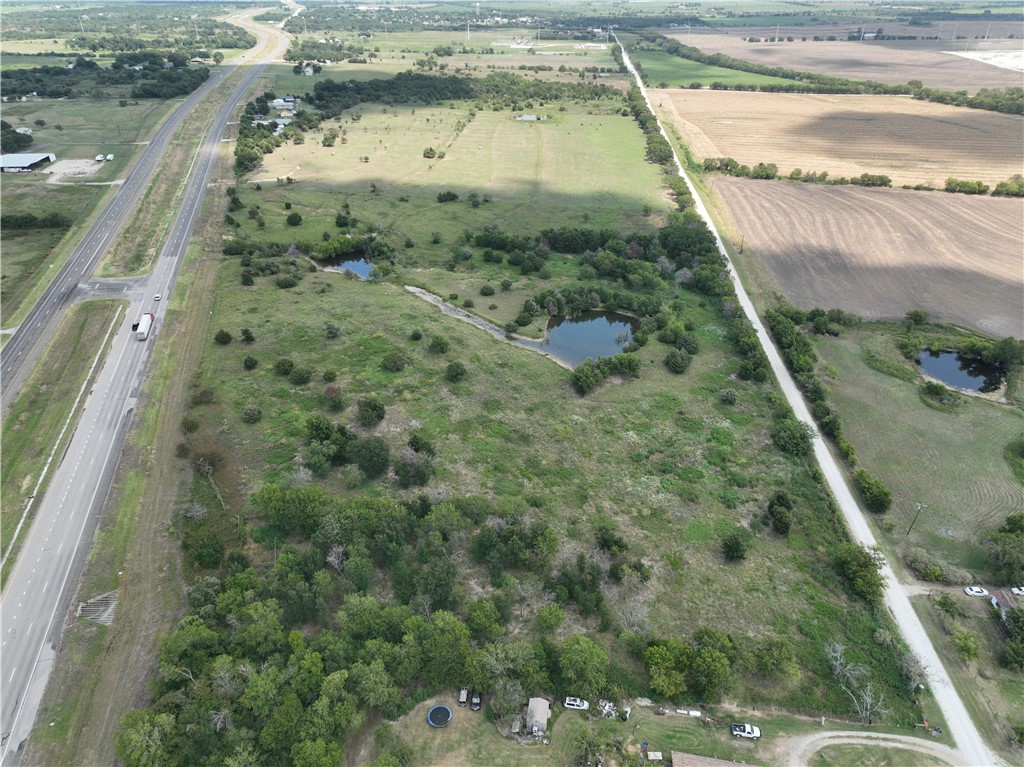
{"x":882,"y":252}
{"x":912,"y":142}
{"x":896,"y":62}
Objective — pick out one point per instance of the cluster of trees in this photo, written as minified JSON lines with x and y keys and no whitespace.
{"x":698,"y":669}
{"x":52,"y":220}
{"x":659,"y":151}
{"x":784,"y":323}
{"x":1004,"y":548}
{"x":1012,"y":188}
{"x":591,"y":373}
{"x":731,"y":167}
{"x":308,"y":49}
{"x":254,"y":141}
{"x":152,"y":81}
{"x":1007,"y":100}
{"x":12,"y":141}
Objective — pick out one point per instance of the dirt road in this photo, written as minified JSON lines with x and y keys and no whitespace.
{"x":799,"y":750}
{"x":971,"y":749}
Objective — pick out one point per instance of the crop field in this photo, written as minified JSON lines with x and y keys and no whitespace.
{"x":881,"y":252}
{"x":582,"y":160}
{"x":896,"y":62}
{"x":661,"y":67}
{"x":951,"y":462}
{"x":912,"y":142}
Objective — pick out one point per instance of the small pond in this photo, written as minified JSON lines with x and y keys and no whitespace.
{"x":961,"y":372}
{"x":361,"y":268}
{"x":589,"y":334}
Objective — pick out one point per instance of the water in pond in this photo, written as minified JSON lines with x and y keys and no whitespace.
{"x":961,"y":372}
{"x":590,"y":334}
{"x":361,"y":268}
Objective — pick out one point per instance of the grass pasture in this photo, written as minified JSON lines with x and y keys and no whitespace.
{"x":538,"y":174}
{"x":913,"y":142}
{"x":872,"y":756}
{"x":661,"y":67}
{"x":952,"y":462}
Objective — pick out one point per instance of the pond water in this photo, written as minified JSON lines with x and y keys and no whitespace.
{"x":361,"y":268}
{"x":589,"y":334}
{"x":961,"y":372}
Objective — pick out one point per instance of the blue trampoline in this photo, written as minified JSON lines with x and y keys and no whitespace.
{"x":439,"y":716}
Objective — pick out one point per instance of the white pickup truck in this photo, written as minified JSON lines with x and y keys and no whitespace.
{"x":746,"y":731}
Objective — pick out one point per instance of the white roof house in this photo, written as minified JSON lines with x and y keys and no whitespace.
{"x":15,"y":163}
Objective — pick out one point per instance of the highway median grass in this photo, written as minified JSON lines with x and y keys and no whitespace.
{"x":38,"y":415}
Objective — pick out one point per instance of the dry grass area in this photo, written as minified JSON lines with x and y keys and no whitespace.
{"x":912,"y":142}
{"x":881,"y":252}
{"x":899,"y":61}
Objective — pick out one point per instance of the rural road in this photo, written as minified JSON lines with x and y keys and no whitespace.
{"x":799,"y":750}
{"x":42,"y":582}
{"x":971,"y":748}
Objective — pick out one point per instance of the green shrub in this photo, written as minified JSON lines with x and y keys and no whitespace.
{"x":294,"y":219}
{"x":250,"y":362}
{"x":792,"y":436}
{"x":876,"y":495}
{"x":416,"y":334}
{"x":371,"y":454}
{"x":728,"y":396}
{"x":369,"y":411}
{"x":394,"y":362}
{"x":678,"y":361}
{"x":736,"y":544}
{"x":286,"y":281}
{"x":222,"y":337}
{"x":252,"y":414}
{"x":439,"y":345}
{"x":284,"y":366}
{"x":300,"y":376}
{"x":455,"y":371}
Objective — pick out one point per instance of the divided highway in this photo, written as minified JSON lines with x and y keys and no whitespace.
{"x":971,"y":748}
{"x":37,"y":594}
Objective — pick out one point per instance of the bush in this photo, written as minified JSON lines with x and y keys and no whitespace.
{"x":294,"y":219}
{"x":250,"y":362}
{"x":455,"y":371}
{"x":222,"y":337}
{"x":420,"y":444}
{"x":688,"y":342}
{"x":876,"y":495}
{"x":333,"y":398}
{"x":300,"y":376}
{"x":728,"y":396}
{"x":414,"y":470}
{"x":248,"y":336}
{"x":286,"y":281}
{"x":487,"y":290}
{"x":394,"y":362}
{"x":736,"y":544}
{"x":331,"y":330}
{"x":247,"y":279}
{"x":678,"y":361}
{"x":468,"y":303}
{"x":448,"y":196}
{"x":371,"y":454}
{"x":330,"y":375}
{"x":793,"y":437}
{"x":439,"y":345}
{"x":506,"y":284}
{"x":370,"y":411}
{"x":416,"y":335}
{"x":252,"y":414}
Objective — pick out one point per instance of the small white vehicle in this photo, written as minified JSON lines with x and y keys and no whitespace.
{"x":745,"y":731}
{"x":577,"y":703}
{"x":1017,"y":591}
{"x":975,"y":591}
{"x":156,"y":297}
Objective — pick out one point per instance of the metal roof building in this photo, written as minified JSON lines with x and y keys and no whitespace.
{"x":19,"y":163}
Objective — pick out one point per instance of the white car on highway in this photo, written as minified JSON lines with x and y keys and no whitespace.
{"x":577,"y":703}
{"x":975,"y":591}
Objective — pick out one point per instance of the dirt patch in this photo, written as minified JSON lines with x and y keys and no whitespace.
{"x":70,"y":169}
{"x":889,"y":61}
{"x":881,"y":252}
{"x":913,"y":142}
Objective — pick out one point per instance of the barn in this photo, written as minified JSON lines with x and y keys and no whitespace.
{"x":23,"y":163}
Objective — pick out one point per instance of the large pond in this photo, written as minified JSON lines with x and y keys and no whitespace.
{"x":960,"y":372}
{"x":590,"y":334}
{"x":360,"y":268}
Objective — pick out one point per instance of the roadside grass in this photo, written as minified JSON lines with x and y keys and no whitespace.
{"x":661,"y":67}
{"x":951,"y":462}
{"x":36,"y":417}
{"x":28,"y":253}
{"x":993,"y":695}
{"x":872,"y":756}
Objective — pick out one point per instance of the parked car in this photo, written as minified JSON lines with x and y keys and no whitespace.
{"x":975,"y":591}
{"x":577,"y":703}
{"x":463,"y":696}
{"x":1017,"y":591}
{"x":474,"y":702}
{"x":745,"y":731}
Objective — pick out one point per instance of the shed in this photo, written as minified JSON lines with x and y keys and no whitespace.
{"x":22,"y":163}
{"x":537,"y":714}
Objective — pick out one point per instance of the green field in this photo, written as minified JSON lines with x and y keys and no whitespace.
{"x":951,"y":462}
{"x":661,"y":67}
{"x":872,"y":756}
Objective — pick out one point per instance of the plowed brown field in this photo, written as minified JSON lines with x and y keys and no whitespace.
{"x":912,"y":142}
{"x":897,"y":62}
{"x":882,"y":252}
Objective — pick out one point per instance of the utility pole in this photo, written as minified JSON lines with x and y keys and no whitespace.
{"x":919,"y":507}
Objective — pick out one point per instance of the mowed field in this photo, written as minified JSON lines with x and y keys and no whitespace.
{"x":882,"y":252}
{"x":912,"y":142}
{"x":575,"y":158}
{"x":897,"y":61}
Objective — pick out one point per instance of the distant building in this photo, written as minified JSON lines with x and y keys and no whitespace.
{"x":23,"y":163}
{"x":23,"y":131}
